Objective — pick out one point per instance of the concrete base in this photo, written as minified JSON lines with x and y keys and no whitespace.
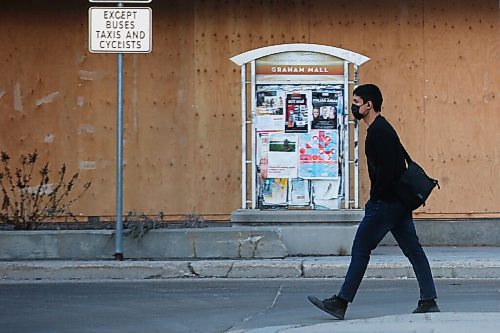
{"x":220,"y":242}
{"x":281,"y":234}
{"x":259,"y":217}
{"x":313,"y":240}
{"x":471,"y":232}
{"x":321,"y":240}
{"x":204,"y":243}
{"x":306,"y":232}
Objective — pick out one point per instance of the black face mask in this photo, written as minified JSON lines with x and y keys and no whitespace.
{"x":355,"y":111}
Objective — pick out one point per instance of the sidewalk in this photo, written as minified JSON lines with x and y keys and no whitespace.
{"x":386,"y":262}
{"x":429,"y":322}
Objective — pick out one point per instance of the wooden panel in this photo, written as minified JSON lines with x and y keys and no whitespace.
{"x":40,"y":65}
{"x":435,"y":61}
{"x":390,"y":34}
{"x":160,"y":122}
{"x":462,"y":48}
{"x":224,"y":29}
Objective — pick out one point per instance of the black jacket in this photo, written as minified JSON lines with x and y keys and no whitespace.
{"x":385,"y":159}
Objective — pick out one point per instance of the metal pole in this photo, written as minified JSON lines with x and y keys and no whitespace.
{"x":119,"y":159}
{"x":254,"y":165}
{"x":356,"y":147}
{"x":243,"y":136}
{"x":346,"y":137}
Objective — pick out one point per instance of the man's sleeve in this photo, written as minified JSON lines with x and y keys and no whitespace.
{"x":387,"y":149}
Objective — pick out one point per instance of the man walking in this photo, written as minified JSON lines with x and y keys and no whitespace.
{"x":383,"y":211}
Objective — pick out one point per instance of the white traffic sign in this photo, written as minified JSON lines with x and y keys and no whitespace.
{"x":120,"y":30}
{"x":123,"y":1}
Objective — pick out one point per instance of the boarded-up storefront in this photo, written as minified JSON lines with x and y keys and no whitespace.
{"x":435,"y":61}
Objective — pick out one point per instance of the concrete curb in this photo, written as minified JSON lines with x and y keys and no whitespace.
{"x":381,"y":266}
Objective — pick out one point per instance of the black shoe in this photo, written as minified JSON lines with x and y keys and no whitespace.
{"x":335,"y":306}
{"x":427,"y":306}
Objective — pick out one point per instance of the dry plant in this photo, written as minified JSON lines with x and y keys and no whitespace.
{"x":28,"y":202}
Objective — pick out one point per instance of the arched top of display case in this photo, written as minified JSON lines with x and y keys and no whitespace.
{"x":355,"y":58}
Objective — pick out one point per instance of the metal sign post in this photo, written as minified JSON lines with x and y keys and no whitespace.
{"x":119,"y":157}
{"x":119,"y":30}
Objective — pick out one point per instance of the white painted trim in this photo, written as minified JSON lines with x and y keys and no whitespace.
{"x":254,"y":141}
{"x":346,"y":172}
{"x":355,"y":58}
{"x":244,"y":136}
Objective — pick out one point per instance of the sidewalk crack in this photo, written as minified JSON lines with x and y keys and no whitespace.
{"x":191,"y":269}
{"x":278,"y":293}
{"x":260,"y":313}
{"x":230,"y":269}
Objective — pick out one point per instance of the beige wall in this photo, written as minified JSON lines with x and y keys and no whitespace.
{"x":435,"y":61}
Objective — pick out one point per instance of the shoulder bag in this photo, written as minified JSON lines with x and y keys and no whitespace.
{"x":414,"y":186}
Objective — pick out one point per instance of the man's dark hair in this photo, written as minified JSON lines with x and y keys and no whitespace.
{"x":370,"y":92}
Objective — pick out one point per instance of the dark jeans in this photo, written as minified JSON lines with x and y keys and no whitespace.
{"x":380,"y":218}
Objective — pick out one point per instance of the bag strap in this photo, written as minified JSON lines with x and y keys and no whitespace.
{"x":408,"y":160}
{"x":407,"y":156}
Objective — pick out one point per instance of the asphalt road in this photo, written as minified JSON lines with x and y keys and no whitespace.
{"x":214,"y":305}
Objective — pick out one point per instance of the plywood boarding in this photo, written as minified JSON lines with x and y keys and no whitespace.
{"x":433,"y":60}
{"x":216,"y":162}
{"x":462,"y":52}
{"x":161,"y":121}
{"x":390,"y":33}
{"x":41,"y":81}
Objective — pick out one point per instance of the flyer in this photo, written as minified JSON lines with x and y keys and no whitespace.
{"x":324,"y":110}
{"x":298,"y":192}
{"x":326,"y":194}
{"x":262,"y":154}
{"x":282,"y":156}
{"x":269,"y":114}
{"x":296,"y":113}
{"x":318,"y":154}
{"x":274,"y":191}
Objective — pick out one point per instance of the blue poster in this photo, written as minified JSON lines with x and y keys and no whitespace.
{"x":318,"y":154}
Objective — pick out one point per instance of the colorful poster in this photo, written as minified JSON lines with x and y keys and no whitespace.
{"x":324,"y":112}
{"x":296,"y":113}
{"x":282,"y":156}
{"x":298,"y":192}
{"x":274,"y":191}
{"x":318,"y":154}
{"x":269,"y":102}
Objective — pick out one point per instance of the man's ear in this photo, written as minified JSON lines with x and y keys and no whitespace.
{"x":370,"y":104}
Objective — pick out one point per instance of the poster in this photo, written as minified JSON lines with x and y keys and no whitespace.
{"x":269,"y":102}
{"x":298,"y":192}
{"x":296,"y":112}
{"x":324,"y":110}
{"x":326,"y":194}
{"x":275,"y":191}
{"x":318,"y":154}
{"x":282,"y":156}
{"x":269,"y":109}
{"x":297,"y":145}
{"x":262,"y":154}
